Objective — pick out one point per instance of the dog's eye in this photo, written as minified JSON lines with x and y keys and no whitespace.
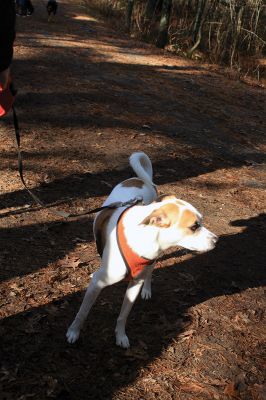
{"x":194,"y":227}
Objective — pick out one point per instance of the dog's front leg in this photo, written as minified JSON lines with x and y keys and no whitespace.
{"x":132,"y":292}
{"x":92,"y":292}
{"x":146,"y":290}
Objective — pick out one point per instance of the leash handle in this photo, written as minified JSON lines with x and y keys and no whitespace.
{"x":59,"y":213}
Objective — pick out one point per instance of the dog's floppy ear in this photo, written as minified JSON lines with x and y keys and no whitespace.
{"x":157,"y":218}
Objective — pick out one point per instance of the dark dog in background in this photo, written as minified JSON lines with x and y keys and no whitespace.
{"x":51,"y":8}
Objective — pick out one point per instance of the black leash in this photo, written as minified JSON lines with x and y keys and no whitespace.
{"x":40,"y":203}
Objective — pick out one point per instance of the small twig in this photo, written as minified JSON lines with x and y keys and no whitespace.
{"x":253,"y":33}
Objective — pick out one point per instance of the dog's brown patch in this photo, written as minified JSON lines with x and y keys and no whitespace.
{"x":164,"y":216}
{"x":188,"y":218}
{"x":133,"y":182}
{"x":164,"y":197}
{"x":100,"y":229}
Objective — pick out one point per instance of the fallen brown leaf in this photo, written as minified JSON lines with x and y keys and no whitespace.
{"x":231,"y":390}
{"x":258,"y":392}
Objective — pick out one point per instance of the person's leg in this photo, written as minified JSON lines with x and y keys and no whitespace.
{"x":22,"y":8}
{"x":4,"y":78}
{"x":30,"y":7}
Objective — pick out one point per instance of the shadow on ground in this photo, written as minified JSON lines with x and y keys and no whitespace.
{"x":36,"y":353}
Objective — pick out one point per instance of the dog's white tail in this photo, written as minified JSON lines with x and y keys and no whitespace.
{"x":142,"y":166}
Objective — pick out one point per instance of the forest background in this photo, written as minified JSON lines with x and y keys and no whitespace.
{"x":230,"y":33}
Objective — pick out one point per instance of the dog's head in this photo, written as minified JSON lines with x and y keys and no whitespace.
{"x":181,"y":225}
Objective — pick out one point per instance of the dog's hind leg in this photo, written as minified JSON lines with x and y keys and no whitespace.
{"x":129,"y":299}
{"x":99,"y":281}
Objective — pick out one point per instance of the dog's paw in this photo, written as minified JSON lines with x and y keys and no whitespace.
{"x":122,"y":341}
{"x":72,"y":334}
{"x":145,"y":293}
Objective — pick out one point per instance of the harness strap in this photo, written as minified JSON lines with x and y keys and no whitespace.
{"x":59,"y":213}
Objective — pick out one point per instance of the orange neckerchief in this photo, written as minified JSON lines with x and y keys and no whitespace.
{"x":134,"y":263}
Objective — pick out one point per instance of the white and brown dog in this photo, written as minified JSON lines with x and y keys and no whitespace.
{"x":130,"y":239}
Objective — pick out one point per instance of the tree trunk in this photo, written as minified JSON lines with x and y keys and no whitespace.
{"x":164,"y":24}
{"x":130,"y":5}
{"x":199,"y":21}
{"x":149,"y":10}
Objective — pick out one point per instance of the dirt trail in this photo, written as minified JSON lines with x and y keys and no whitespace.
{"x":88,"y":97}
